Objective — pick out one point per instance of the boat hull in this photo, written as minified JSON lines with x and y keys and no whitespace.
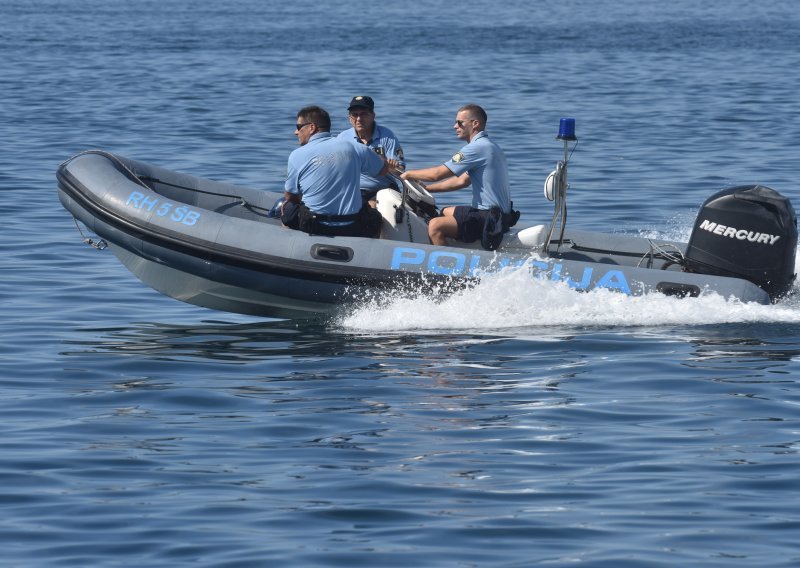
{"x":215,"y":245}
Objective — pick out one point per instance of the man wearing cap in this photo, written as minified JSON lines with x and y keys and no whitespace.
{"x":366,"y":132}
{"x":322,"y":184}
{"x":482,"y":164}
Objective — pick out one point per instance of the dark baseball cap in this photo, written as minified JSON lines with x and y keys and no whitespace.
{"x":365,"y":102}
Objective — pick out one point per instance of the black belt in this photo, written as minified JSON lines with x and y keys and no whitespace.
{"x":335,"y":218}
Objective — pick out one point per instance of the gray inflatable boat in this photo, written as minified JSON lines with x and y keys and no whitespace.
{"x":219,"y":246}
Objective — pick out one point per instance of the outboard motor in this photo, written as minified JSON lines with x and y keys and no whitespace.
{"x":748,"y":232}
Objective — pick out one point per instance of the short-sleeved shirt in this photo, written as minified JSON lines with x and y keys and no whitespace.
{"x":385,"y":144}
{"x":326,"y":173}
{"x":488,"y":172}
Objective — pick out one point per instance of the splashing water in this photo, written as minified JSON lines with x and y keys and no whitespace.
{"x":511,"y":298}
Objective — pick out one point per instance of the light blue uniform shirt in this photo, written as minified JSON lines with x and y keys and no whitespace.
{"x":384,"y":143}
{"x":326,"y":173}
{"x":488,"y":172}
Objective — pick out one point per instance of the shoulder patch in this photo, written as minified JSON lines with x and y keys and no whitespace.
{"x":457,"y":157}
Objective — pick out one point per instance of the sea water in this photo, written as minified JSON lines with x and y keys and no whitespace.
{"x":514,"y":424}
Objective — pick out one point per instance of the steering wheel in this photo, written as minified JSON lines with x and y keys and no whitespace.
{"x":418,"y":192}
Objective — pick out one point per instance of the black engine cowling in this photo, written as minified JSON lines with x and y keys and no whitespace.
{"x":746,"y":232}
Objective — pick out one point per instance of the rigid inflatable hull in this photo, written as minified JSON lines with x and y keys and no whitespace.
{"x":214,"y":245}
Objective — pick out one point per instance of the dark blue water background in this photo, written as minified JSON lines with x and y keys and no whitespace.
{"x":514,"y":425}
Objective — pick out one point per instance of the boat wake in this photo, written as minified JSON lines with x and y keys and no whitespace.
{"x":511,"y":298}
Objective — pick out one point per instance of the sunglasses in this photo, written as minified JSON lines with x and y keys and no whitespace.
{"x":302,"y":125}
{"x":461,"y":122}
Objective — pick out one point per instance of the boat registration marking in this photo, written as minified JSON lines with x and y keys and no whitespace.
{"x":452,"y":263}
{"x":163,"y":208}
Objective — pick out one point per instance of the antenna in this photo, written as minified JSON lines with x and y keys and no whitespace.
{"x":555,"y":186}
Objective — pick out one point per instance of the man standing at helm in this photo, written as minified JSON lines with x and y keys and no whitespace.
{"x":365,"y":131}
{"x":482,"y":164}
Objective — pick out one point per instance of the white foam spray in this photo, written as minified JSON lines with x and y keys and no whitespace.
{"x":511,"y":298}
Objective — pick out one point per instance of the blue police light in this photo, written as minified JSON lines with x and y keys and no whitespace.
{"x":566,"y":129}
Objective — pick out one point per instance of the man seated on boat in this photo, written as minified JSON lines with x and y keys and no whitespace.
{"x":367,"y":132}
{"x":322,"y":185}
{"x":482,"y":164}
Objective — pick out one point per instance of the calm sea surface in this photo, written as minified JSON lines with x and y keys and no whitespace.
{"x":513,"y":425}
